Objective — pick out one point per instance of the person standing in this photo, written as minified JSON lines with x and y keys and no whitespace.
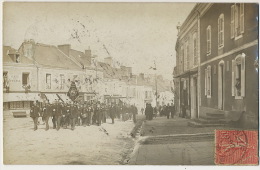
{"x":135,"y":112}
{"x":99,"y":114}
{"x":172,"y":110}
{"x":84,"y":115}
{"x":168,"y":110}
{"x":53,"y":107}
{"x":34,"y":114}
{"x":90,"y":113}
{"x":46,"y":114}
{"x":112,"y":112}
{"x":73,"y":115}
{"x":149,"y":111}
{"x":57,"y":114}
{"x":142,"y":110}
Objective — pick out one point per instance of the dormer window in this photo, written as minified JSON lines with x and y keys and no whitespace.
{"x":17,"y":58}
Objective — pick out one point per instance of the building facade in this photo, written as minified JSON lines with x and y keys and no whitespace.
{"x":227,"y":68}
{"x":229,"y":79}
{"x":187,"y":62}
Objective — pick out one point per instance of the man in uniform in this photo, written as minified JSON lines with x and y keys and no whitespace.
{"x":90,"y":112}
{"x":99,"y":114}
{"x":84,"y":115}
{"x":73,"y":115}
{"x":46,"y":114}
{"x":34,"y":114}
{"x":79,"y":115}
{"x":53,"y":107}
{"x":112,"y":112}
{"x":172,"y":108}
{"x":57,"y":114}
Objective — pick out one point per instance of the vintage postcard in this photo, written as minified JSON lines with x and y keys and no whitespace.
{"x":134,"y":83}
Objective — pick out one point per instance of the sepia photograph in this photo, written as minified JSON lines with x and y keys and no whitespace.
{"x":130,"y":83}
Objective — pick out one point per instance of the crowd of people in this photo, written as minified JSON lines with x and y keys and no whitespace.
{"x":165,"y":110}
{"x":71,"y":114}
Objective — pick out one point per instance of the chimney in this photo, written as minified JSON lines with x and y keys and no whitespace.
{"x":141,"y":75}
{"x":88,"y":52}
{"x":28,"y":48}
{"x":65,"y":48}
{"x":109,"y":61}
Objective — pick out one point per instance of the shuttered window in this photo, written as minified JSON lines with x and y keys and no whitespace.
{"x":208,"y":80}
{"x":232,"y":26}
{"x":208,"y":40}
{"x":238,"y":76}
{"x":237,"y":19}
{"x":221,"y":31}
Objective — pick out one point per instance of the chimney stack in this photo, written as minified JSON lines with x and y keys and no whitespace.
{"x":88,"y":52}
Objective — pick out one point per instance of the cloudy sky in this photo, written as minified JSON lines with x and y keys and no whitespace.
{"x":134,"y":34}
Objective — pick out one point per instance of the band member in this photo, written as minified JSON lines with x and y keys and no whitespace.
{"x":46,"y":110}
{"x":90,"y":113}
{"x":99,"y":114}
{"x":80,"y":112}
{"x":34,"y":114}
{"x":84,"y":115}
{"x":57,"y":114}
{"x":73,"y":115}
{"x":112,"y":112}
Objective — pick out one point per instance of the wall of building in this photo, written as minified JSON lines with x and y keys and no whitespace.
{"x":15,"y":77}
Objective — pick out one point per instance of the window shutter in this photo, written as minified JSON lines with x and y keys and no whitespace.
{"x":206,"y":76}
{"x":218,"y":31}
{"x":241,"y":18}
{"x":233,"y":78}
{"x":209,"y":72}
{"x":232,"y":21}
{"x":210,"y":39}
{"x":243,"y":76}
{"x":236,"y":20}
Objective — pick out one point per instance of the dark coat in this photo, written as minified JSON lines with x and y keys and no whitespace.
{"x":148,"y":110}
{"x":73,"y":111}
{"x":35,"y":111}
{"x":57,"y":110}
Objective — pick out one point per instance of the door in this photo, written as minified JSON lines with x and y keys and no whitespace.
{"x":194,"y":103}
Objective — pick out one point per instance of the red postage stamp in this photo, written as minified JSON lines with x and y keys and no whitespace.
{"x":234,"y":147}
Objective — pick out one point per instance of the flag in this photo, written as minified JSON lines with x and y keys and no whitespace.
{"x":73,"y":92}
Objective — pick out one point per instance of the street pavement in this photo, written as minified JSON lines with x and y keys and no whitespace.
{"x":171,"y":142}
{"x":107,"y":144}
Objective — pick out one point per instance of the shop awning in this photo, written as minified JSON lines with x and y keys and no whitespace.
{"x":12,"y":97}
{"x":52,"y":97}
{"x":64,"y":98}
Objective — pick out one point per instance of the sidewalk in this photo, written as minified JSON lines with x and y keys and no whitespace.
{"x":171,"y":142}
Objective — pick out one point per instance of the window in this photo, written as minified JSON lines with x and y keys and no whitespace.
{"x":25,"y":79}
{"x":238,"y":76}
{"x":237,"y":20}
{"x":187,"y":55}
{"x":221,"y":31}
{"x":195,"y":60}
{"x":5,"y":80}
{"x":208,"y":40}
{"x":208,"y":82}
{"x":182,"y":58}
{"x":62,"y":81}
{"x":17,"y":58}
{"x":48,"y":81}
{"x":16,"y":105}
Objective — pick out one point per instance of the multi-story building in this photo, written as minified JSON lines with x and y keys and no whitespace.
{"x":227,"y":82}
{"x":187,"y":62}
{"x":229,"y":51}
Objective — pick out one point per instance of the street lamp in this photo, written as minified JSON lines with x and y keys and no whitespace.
{"x":154,"y":68}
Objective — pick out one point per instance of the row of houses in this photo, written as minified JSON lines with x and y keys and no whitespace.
{"x":217,"y":62}
{"x":46,"y":72}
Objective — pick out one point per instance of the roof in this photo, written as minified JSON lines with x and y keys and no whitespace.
{"x":80,"y":57}
{"x":9,"y":51}
{"x":109,"y":71}
{"x":49,"y":55}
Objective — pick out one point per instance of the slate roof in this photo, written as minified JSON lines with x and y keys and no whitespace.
{"x":49,"y":55}
{"x":80,"y":57}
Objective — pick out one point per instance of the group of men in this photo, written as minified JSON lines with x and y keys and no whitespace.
{"x":70,"y":114}
{"x":165,"y":110}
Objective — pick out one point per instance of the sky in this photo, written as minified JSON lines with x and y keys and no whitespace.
{"x":134,"y":34}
